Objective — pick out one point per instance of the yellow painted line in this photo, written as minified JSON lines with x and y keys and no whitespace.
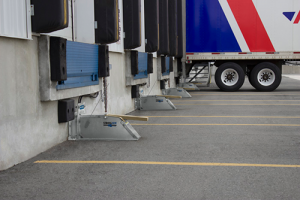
{"x":240,"y":104}
{"x":235,"y":100}
{"x":165,"y":163}
{"x":246,"y":92}
{"x":271,"y":117}
{"x":216,"y":125}
{"x":236,"y":94}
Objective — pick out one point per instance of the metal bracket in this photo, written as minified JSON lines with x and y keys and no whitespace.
{"x":101,"y":127}
{"x":154,"y":103}
{"x":178,"y":92}
{"x":188,"y":86}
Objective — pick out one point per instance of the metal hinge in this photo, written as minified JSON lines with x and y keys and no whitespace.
{"x":32,"y":10}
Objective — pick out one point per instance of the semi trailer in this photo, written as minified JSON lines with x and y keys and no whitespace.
{"x":251,"y":38}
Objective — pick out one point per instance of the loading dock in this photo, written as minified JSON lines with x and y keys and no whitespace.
{"x":241,"y":150}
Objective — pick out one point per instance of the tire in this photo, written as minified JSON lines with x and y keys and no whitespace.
{"x":230,"y":77}
{"x":265,"y":76}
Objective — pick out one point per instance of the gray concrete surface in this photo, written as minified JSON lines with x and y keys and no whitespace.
{"x":276,"y":141}
{"x":291,"y":69}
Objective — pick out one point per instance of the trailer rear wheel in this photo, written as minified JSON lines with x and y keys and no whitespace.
{"x":230,"y":77}
{"x":265,"y":76}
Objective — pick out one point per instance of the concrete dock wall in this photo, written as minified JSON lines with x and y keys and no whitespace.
{"x":29,"y":126}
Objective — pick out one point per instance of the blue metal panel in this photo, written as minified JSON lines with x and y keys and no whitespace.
{"x":207,"y":28}
{"x":82,"y":65}
{"x":167,"y":66}
{"x":143,"y":66}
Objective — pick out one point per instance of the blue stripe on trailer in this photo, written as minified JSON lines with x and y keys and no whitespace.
{"x":207,"y":28}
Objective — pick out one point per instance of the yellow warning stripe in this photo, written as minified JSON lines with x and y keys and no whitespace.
{"x":65,"y":12}
{"x":237,"y":94}
{"x":276,"y":117}
{"x":295,"y":125}
{"x":165,"y":163}
{"x":234,"y":100}
{"x":240,"y":104}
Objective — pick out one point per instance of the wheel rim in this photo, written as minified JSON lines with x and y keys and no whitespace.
{"x":266,"y":77}
{"x":229,"y":77}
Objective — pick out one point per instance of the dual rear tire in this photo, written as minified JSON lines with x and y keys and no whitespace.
{"x":230,"y":77}
{"x":265,"y":76}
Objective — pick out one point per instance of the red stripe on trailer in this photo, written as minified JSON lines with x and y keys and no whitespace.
{"x":251,"y":25}
{"x":189,"y":53}
{"x":215,"y":53}
{"x":296,"y":52}
{"x":243,"y":53}
{"x":297,"y":18}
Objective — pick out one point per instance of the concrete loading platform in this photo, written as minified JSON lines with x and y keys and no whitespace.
{"x":216,"y":145}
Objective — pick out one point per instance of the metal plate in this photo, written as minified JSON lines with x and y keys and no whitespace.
{"x":155,"y":103}
{"x":100,"y":127}
{"x":178,"y":92}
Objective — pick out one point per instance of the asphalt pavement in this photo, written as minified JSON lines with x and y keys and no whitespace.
{"x":216,"y":145}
